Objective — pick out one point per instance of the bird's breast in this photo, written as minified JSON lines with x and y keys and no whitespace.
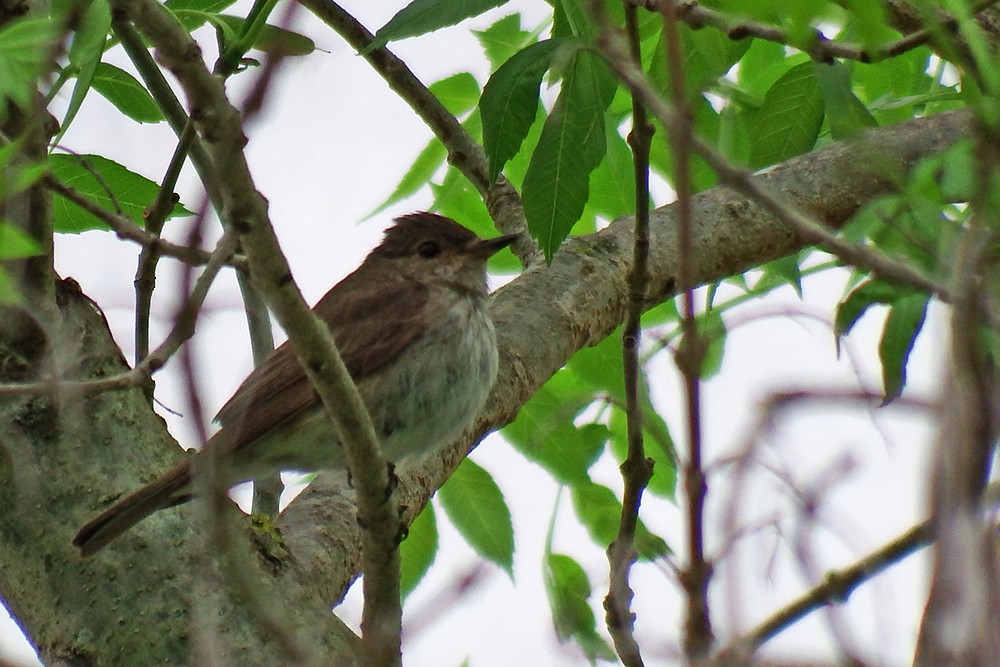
{"x":432,"y":392}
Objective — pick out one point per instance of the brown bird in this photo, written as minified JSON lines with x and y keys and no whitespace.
{"x":413,"y":328}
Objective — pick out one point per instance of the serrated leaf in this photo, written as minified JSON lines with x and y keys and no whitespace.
{"x":271,"y":39}
{"x":599,"y":510}
{"x":786,"y":270}
{"x":847,"y":115}
{"x":423,"y":16}
{"x":503,"y":39}
{"x":417,"y":551}
{"x":509,"y":102}
{"x":568,"y":589}
{"x":108,"y":184}
{"x":126,"y":93}
{"x":790,"y":118}
{"x":15,"y":244}
{"x":557,"y":184}
{"x":865,"y":295}
{"x":475,"y":505}
{"x":25,"y":46}
{"x":549,"y":438}
{"x":428,"y":161}
{"x":458,"y":92}
{"x":612,"y":184}
{"x":905,"y":320}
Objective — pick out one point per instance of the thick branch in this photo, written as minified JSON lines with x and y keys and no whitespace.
{"x":584,"y":289}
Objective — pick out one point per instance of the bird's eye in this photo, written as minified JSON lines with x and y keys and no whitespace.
{"x":428,"y":249}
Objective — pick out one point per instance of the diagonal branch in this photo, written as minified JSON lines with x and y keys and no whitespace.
{"x":583,"y":295}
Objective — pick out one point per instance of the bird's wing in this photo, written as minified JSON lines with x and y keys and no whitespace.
{"x":370,"y":328}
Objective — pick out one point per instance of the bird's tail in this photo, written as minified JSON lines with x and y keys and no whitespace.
{"x":170,"y":489}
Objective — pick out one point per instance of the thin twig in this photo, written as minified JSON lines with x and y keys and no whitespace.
{"x":818,"y":46}
{"x":126,"y":229}
{"x":637,"y":469}
{"x":698,"y":573}
{"x":155,"y":216}
{"x":837,"y":586}
{"x":183,"y":329}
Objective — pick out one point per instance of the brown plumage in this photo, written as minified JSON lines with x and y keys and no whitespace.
{"x":426,"y":279}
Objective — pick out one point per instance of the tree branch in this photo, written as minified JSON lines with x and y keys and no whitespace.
{"x":583,"y":291}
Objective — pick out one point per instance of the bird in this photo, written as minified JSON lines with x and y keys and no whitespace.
{"x":413,"y":328}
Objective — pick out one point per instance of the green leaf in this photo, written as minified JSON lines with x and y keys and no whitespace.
{"x":476,"y":507}
{"x":428,"y":161}
{"x":9,"y":293}
{"x":458,"y":92}
{"x":15,"y":244}
{"x":91,"y":34}
{"x":612,"y":184}
{"x":207,"y":6}
{"x":417,"y":551}
{"x":272,"y":39}
{"x":571,"y":18}
{"x":572,"y":144}
{"x":599,"y":510}
{"x":790,"y":118}
{"x":905,"y":320}
{"x":708,"y":55}
{"x":847,"y":114}
{"x":509,"y":102}
{"x":568,"y":589}
{"x":865,"y":295}
{"x":25,"y":46}
{"x":546,"y":437}
{"x":108,"y":184}
{"x":424,"y":16}
{"x":503,"y":39}
{"x":786,"y":270}
{"x":712,"y":335}
{"x":126,"y":93}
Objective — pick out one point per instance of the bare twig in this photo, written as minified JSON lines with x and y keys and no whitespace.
{"x":837,"y":586}
{"x":156,"y":215}
{"x":637,"y":469}
{"x":183,"y":329}
{"x":697,"y":573}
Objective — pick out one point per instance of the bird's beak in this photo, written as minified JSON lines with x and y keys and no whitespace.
{"x":488,"y":247}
